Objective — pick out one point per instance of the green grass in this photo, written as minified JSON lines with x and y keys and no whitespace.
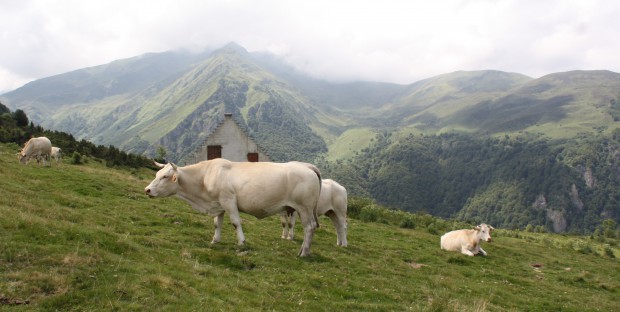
{"x":84,"y":237}
{"x":350,"y":142}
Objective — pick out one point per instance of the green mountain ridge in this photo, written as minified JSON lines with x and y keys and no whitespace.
{"x":172,"y":99}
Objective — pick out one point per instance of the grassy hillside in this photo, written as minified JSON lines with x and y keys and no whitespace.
{"x":84,"y":237}
{"x":350,"y":142}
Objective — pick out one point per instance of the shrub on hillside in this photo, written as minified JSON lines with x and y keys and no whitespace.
{"x":609,"y":252}
{"x":76,"y":158}
{"x":355,"y":205}
{"x":407,"y":223}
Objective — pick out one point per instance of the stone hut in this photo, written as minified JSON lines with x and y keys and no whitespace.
{"x":228,"y":140}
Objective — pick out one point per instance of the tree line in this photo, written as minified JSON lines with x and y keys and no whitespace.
{"x":15,"y":127}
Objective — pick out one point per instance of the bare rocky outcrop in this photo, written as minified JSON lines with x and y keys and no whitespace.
{"x":588,"y":177}
{"x":540,"y":202}
{"x":574,"y":197}
{"x":558,"y":220}
{"x":557,"y":217}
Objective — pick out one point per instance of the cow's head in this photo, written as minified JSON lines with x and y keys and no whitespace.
{"x":165,"y":182}
{"x":23,"y":158}
{"x":484,"y":232}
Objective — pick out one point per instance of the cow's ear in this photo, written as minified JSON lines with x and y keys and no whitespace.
{"x":491,"y":228}
{"x":158,"y":164}
{"x":477,"y":228}
{"x":174,"y":178}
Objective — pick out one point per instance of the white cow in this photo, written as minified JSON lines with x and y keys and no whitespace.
{"x":40,"y":147}
{"x":332,"y":203}
{"x":467,"y":241}
{"x":56,"y":153}
{"x":260,"y":189}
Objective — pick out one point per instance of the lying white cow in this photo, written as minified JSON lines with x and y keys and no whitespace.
{"x":467,"y":241}
{"x":40,"y":147}
{"x":332,"y":203}
{"x":56,"y":153}
{"x":260,"y":189}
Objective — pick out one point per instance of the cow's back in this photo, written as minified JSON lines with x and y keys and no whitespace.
{"x":37,"y":146}
{"x":41,"y":146}
{"x":263,"y":188}
{"x":454,"y":240}
{"x":333,"y":197}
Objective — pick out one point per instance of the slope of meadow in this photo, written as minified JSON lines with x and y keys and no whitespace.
{"x":84,"y":237}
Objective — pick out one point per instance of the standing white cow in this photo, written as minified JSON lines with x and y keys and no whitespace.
{"x":40,"y":147}
{"x":467,"y":241}
{"x":332,"y":203}
{"x":56,"y":153}
{"x":260,"y":189}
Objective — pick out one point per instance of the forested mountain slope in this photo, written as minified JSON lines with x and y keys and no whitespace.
{"x":508,"y":181}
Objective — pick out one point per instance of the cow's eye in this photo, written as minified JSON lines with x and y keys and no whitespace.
{"x":164,"y":177}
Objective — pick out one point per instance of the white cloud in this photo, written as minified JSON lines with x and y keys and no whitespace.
{"x":389,"y":40}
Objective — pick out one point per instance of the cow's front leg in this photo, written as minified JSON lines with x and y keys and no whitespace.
{"x":235,"y":219}
{"x":484,"y":253}
{"x":217,"y":220}
{"x":284,"y":222}
{"x":229,"y":203}
{"x":466,"y":251}
{"x":288,"y":222}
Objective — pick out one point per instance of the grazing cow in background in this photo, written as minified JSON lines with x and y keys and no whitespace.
{"x":467,"y":241}
{"x":40,"y":147}
{"x":56,"y":153}
{"x":260,"y":189}
{"x":332,"y":203}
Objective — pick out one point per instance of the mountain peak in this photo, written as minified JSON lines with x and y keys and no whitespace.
{"x":233,"y":47}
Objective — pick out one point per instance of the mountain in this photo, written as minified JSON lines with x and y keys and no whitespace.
{"x":475,"y":145}
{"x":173,"y":99}
{"x":175,"y":107}
{"x":559,"y":105}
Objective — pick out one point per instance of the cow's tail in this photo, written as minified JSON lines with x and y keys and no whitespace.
{"x":316,"y":206}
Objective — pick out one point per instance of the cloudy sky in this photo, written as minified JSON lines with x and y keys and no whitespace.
{"x":386,"y":40}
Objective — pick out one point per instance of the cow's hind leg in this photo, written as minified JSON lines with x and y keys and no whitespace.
{"x":340,"y":224}
{"x":217,"y":220}
{"x":309,"y":223}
